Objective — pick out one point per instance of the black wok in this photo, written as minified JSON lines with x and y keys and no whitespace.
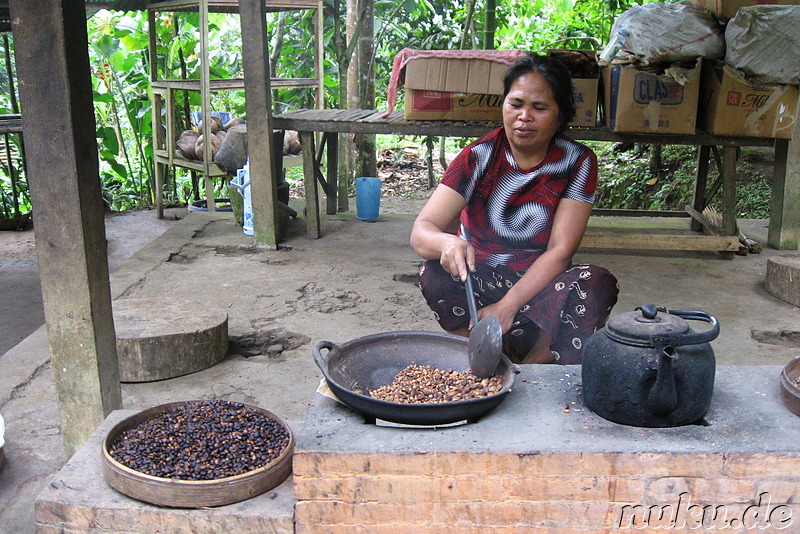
{"x":355,"y":367}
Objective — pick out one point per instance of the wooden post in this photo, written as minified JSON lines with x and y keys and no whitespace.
{"x":700,"y":184}
{"x":784,"y":215}
{"x":58,"y":121}
{"x":257,"y":88}
{"x":159,"y":169}
{"x":310,"y":180}
{"x":332,"y":142}
{"x":728,"y":170}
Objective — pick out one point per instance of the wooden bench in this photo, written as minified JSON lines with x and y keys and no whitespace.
{"x":330,"y":123}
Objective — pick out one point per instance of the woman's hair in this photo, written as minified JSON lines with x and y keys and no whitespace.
{"x":554,"y":73}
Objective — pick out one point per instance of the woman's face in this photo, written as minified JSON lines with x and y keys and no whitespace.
{"x":530,"y":115}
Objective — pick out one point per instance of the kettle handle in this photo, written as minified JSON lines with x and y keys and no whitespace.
{"x":695,"y":338}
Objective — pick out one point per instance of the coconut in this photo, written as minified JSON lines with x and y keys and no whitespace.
{"x":233,"y":122}
{"x":186,"y":143}
{"x":291,"y":144}
{"x":198,"y":147}
{"x":216,"y":124}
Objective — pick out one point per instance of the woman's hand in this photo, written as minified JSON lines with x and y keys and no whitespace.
{"x":502,"y":311}
{"x":433,"y":235}
{"x":458,"y":257}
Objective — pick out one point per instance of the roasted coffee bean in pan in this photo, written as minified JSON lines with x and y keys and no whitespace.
{"x":425,"y":383}
{"x":204,"y":440}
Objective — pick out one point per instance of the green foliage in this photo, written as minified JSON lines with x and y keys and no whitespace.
{"x":627,"y":181}
{"x":118,"y":58}
{"x":120,"y":67}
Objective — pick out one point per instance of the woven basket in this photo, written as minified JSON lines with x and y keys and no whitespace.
{"x":192,"y":493}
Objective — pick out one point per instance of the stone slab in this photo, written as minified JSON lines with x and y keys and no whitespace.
{"x":78,"y":500}
{"x":545,"y":413}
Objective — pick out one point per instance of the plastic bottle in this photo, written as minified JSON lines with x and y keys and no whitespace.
{"x":247,"y":226}
{"x":241,"y":182}
{"x":612,"y":48}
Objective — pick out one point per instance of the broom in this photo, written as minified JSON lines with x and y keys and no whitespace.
{"x":745,"y":243}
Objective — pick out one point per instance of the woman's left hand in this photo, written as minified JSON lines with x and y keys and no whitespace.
{"x":500,"y":310}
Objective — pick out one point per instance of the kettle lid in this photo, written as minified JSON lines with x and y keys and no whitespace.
{"x":645,"y":327}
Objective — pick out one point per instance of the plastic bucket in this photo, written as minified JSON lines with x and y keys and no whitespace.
{"x":368,"y":198}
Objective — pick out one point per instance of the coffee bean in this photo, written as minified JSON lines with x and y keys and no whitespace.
{"x":202,"y":440}
{"x":428,"y":384}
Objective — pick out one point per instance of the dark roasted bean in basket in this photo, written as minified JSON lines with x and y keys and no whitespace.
{"x":203,"y":440}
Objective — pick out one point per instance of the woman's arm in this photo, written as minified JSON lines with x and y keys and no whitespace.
{"x":434,"y":234}
{"x":569,"y":225}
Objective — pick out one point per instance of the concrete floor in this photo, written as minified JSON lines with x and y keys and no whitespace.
{"x":356,"y":280}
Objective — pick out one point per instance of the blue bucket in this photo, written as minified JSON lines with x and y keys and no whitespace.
{"x":368,"y":198}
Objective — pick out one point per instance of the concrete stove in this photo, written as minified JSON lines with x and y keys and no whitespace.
{"x":539,"y":463}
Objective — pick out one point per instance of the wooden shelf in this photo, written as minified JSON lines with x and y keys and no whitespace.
{"x":11,"y":123}
{"x":228,"y":6}
{"x":176,"y":160}
{"x":230,"y":84}
{"x":165,"y":130}
{"x":366,"y":121}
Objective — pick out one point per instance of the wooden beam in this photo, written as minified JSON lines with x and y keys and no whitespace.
{"x":64,"y":181}
{"x":784,"y":215}
{"x":699,"y":198}
{"x":258,"y":104}
{"x":647,"y":241}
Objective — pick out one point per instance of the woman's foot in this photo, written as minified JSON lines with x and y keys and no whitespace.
{"x":540,"y":352}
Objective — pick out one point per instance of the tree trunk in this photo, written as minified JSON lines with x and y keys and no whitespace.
{"x":367,"y":164}
{"x":351,"y":141}
{"x":488,"y":31}
{"x":273,"y":57}
{"x":467,"y":33}
{"x":655,"y":160}
{"x":344,"y":45}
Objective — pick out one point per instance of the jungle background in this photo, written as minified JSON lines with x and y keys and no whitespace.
{"x":361,"y":38}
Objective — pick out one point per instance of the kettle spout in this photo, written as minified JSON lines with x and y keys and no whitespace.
{"x":663,"y":397}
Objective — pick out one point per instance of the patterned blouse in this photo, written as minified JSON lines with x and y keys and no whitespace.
{"x":509,"y":210}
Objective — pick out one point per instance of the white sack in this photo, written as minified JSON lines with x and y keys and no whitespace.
{"x":677,"y":31}
{"x":764,"y":42}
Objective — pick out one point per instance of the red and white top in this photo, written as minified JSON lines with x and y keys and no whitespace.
{"x":509,"y":212}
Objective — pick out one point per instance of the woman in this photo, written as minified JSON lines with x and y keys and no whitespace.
{"x":510,"y":211}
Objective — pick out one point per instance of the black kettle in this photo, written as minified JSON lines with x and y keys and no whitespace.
{"x":649,"y":368}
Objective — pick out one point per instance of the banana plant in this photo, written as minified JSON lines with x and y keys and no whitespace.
{"x":118,"y":51}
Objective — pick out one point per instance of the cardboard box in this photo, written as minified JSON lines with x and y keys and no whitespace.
{"x":453,"y":89}
{"x":475,"y":76}
{"x":733,"y":105}
{"x":471,"y":89}
{"x":586,"y":90}
{"x":585,"y":72}
{"x":726,"y":9}
{"x":637,"y":101}
{"x":424,"y":104}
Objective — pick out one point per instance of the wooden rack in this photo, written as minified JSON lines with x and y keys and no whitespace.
{"x":333,"y":122}
{"x":163,"y":91}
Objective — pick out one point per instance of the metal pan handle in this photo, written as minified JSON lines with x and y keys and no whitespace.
{"x":322,"y":361}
